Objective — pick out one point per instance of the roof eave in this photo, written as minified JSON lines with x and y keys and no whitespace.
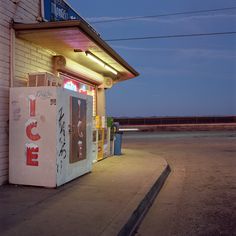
{"x":87,"y":30}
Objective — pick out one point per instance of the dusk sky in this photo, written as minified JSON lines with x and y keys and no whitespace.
{"x":192,"y":76}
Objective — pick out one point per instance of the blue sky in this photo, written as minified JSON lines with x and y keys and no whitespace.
{"x":178,"y":76}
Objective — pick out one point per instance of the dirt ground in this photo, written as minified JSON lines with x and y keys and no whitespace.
{"x":199,"y":196}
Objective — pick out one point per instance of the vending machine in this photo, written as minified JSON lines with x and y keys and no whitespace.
{"x":110,"y":140}
{"x":50,"y":135}
{"x":96,"y":125}
{"x":105,"y":140}
{"x":100,"y":144}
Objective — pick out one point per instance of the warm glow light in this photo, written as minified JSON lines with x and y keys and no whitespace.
{"x":128,"y":129}
{"x":100,"y":62}
{"x":84,"y":72}
{"x":71,"y":86}
{"x":95,"y":59}
{"x":111,"y":69}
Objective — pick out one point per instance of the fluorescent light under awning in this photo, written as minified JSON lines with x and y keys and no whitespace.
{"x":65,"y":36}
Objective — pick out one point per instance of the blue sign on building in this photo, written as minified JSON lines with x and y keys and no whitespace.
{"x":58,"y":10}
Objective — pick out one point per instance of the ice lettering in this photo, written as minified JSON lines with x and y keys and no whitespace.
{"x":32,"y":105}
{"x":32,"y":154}
{"x":30,"y":124}
{"x":32,"y":149}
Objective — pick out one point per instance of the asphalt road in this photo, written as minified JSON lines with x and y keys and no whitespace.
{"x":199,"y":196}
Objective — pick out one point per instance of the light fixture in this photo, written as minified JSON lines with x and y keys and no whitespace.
{"x":100,"y":62}
{"x":95,"y":59}
{"x":78,"y":50}
{"x":111,"y":69}
{"x":62,"y":64}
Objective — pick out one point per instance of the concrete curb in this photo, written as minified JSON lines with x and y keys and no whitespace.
{"x":137,"y":216}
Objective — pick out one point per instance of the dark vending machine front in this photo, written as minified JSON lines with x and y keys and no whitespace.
{"x":78,"y":129}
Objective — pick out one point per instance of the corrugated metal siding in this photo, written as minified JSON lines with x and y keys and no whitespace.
{"x":25,"y":11}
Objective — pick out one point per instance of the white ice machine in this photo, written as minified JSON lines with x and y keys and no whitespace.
{"x":50,"y":136}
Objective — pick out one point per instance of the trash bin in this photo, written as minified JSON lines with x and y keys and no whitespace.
{"x":117,"y":143}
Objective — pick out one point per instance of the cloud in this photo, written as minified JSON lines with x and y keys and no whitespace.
{"x":175,"y":19}
{"x":188,"y":52}
{"x":136,"y":48}
{"x":209,"y":53}
{"x":104,"y":18}
{"x":167,"y":19}
{"x":160,"y":72}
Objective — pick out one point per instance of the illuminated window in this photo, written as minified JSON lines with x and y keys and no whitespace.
{"x":78,"y":85}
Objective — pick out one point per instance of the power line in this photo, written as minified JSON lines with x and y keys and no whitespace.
{"x":164,"y":15}
{"x":171,"y":36}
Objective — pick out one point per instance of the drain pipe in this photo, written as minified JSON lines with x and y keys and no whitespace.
{"x":39,"y":18}
{"x":12,"y":55}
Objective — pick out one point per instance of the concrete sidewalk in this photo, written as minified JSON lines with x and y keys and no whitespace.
{"x":109,"y":201}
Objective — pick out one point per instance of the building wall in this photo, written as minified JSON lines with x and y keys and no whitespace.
{"x":101,"y":102}
{"x":30,"y":58}
{"x":25,"y":11}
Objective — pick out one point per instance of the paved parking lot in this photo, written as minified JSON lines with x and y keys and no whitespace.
{"x":199,"y":196}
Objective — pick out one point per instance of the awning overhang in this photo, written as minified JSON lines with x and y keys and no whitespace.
{"x":66,"y":37}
